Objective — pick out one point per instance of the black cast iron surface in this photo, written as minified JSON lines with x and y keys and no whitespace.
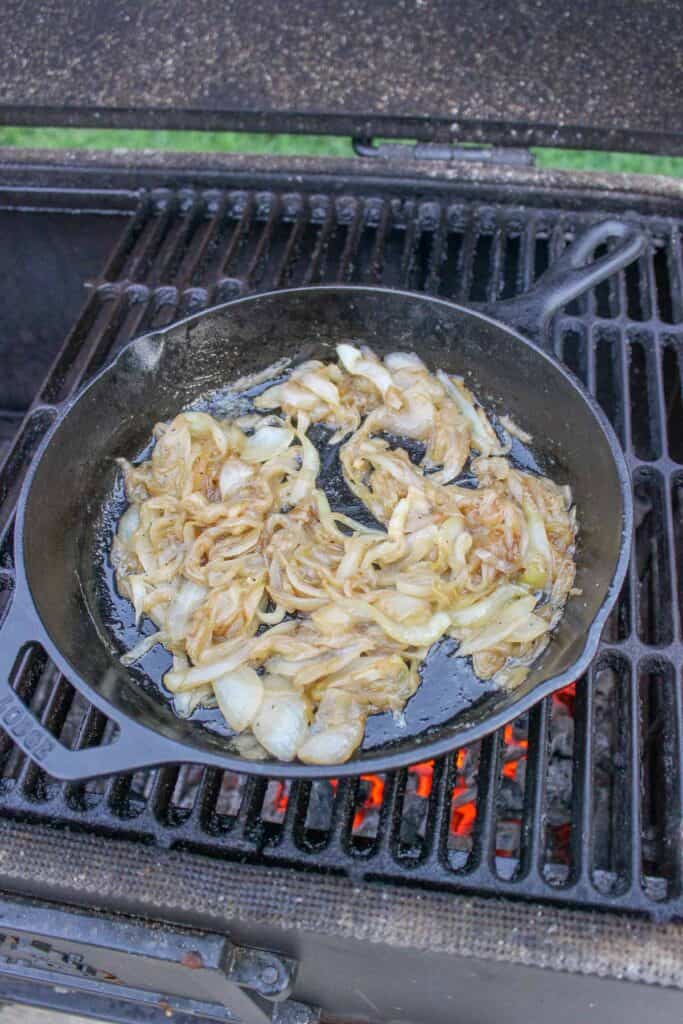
{"x":63,"y":576}
{"x":582,"y":74}
{"x":608,"y":834}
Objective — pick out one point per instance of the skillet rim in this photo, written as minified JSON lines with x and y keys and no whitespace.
{"x":168,"y":750}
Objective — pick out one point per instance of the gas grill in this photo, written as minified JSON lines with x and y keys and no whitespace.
{"x":537,"y":871}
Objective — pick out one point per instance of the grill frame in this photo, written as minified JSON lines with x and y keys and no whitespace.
{"x":127,"y":301}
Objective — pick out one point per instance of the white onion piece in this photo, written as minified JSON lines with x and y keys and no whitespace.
{"x":310,"y":464}
{"x":203,"y":425}
{"x":128,"y":524}
{"x":266,"y":443}
{"x":179,"y":681}
{"x":138,"y":593}
{"x":185,"y":703}
{"x":480,"y":612}
{"x":530,"y":630}
{"x":354,"y":363}
{"x":188,"y":599}
{"x":414,"y":419}
{"x":331,"y":746}
{"x":239,"y":694}
{"x":336,"y":731}
{"x":403,"y":361}
{"x":321,"y":387}
{"x":281,"y":724}
{"x":483,"y":434}
{"x":142,"y":647}
{"x":538,"y":556}
{"x":516,"y":613}
{"x":421,"y":635}
{"x":234,"y":474}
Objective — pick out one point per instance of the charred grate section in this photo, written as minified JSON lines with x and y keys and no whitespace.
{"x":579,"y":800}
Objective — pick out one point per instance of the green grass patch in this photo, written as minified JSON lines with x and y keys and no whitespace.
{"x":301,"y":145}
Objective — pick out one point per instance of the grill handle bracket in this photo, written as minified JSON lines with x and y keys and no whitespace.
{"x":574,"y":272}
{"x":515,"y":156}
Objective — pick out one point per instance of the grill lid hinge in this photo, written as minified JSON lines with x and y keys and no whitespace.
{"x":511,"y":155}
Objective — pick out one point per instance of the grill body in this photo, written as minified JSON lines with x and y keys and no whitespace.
{"x":472,"y":860}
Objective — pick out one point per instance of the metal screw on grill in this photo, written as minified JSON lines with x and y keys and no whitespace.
{"x":268,"y":975}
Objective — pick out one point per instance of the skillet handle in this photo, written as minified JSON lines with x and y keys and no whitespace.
{"x":134,"y":747}
{"x":570,"y":276}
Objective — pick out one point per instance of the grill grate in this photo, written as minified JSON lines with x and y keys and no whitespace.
{"x":578,"y":801}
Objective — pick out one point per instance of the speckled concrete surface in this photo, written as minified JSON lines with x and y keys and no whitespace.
{"x":28,"y":1015}
{"x":576,"y":70}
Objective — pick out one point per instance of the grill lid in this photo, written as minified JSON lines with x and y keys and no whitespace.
{"x":539,"y":72}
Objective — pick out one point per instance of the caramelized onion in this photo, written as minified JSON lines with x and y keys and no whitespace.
{"x":298,"y":621}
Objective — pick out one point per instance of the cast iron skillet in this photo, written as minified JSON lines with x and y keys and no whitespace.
{"x":65,"y":599}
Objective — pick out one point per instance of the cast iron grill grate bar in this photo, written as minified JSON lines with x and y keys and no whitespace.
{"x":578,"y":801}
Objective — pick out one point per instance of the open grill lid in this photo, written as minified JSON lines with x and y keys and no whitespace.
{"x":537,"y":72}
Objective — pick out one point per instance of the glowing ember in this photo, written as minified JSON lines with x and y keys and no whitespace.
{"x":419,"y":788}
{"x":424,"y":774}
{"x":463,"y":797}
{"x":281,"y":798}
{"x":567,"y":697}
{"x":463,"y":811}
{"x":374,"y":785}
{"x":515,"y":751}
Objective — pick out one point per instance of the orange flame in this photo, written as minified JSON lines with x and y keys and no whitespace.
{"x":424,"y":773}
{"x":281,"y":798}
{"x":372,"y":800}
{"x":566,"y":697}
{"x":463,"y":815}
{"x":514,"y":752}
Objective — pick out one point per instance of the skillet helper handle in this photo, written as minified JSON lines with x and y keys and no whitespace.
{"x":572,"y":274}
{"x":129,"y":750}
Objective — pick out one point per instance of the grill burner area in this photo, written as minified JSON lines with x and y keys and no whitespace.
{"x":577,"y":802}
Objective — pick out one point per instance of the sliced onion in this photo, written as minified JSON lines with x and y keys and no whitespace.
{"x":321,"y":387}
{"x":234,"y":475}
{"x":512,"y":616}
{"x":483,"y":434}
{"x":188,"y":599}
{"x":281,"y":724}
{"x":142,"y":647}
{"x":185,"y":703}
{"x":403,"y":361}
{"x":128,"y":524}
{"x":483,"y":611}
{"x":267,"y":442}
{"x":223,"y":525}
{"x":354,"y":363}
{"x":200,"y":674}
{"x":239,"y":694}
{"x":202,"y":425}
